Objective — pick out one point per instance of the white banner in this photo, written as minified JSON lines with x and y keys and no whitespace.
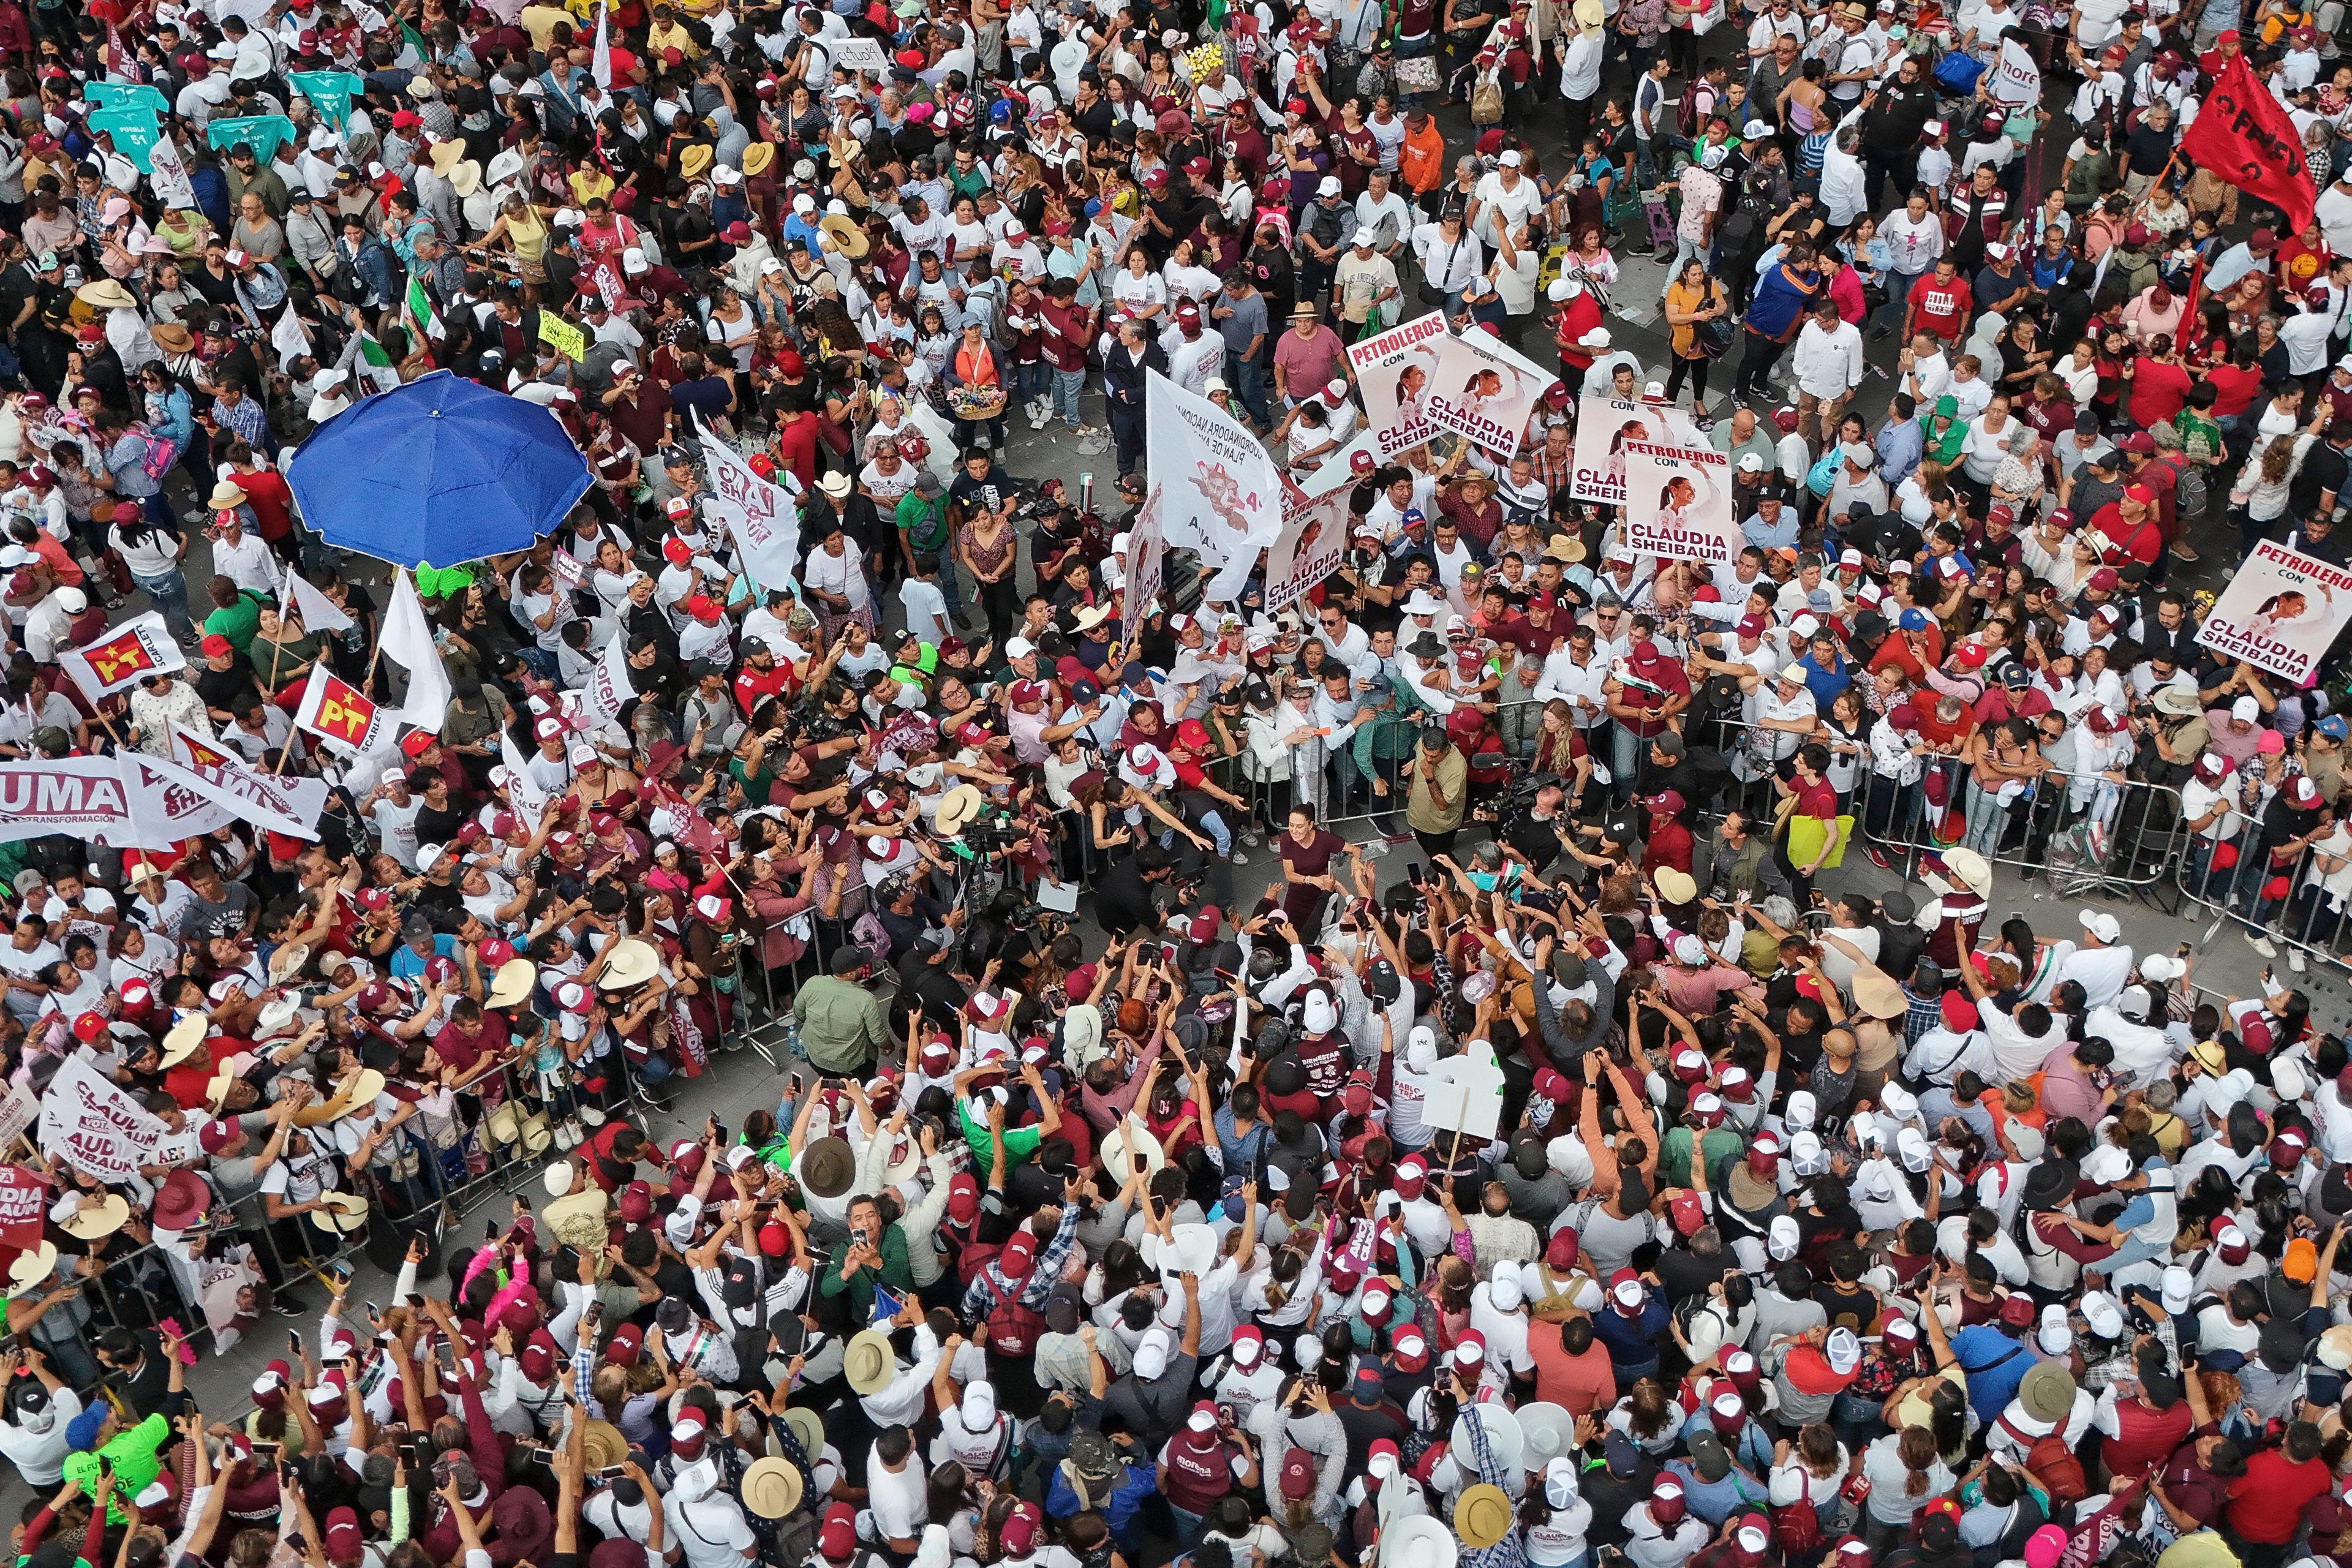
{"x":530,"y":800}
{"x":163,"y":808}
{"x":17,"y":1114}
{"x":1221,"y":497}
{"x":270,"y":801}
{"x":2279,"y":612}
{"x":79,"y":796}
{"x":2015,"y":78}
{"x":1393,"y":374}
{"x":1484,"y":390}
{"x":320,"y":613}
{"x":95,"y":1126}
{"x":140,"y":646}
{"x":406,"y":639}
{"x":1147,"y":554}
{"x":1604,"y":425}
{"x":600,"y":64}
{"x":1678,"y":503}
{"x":1307,"y":550}
{"x":760,"y":514}
{"x":608,"y":686}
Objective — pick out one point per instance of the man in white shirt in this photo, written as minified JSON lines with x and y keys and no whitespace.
{"x":1502,"y":201}
{"x":1827,"y":362}
{"x":2102,"y":962}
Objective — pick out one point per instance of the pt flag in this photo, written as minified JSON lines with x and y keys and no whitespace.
{"x":2244,"y":135}
{"x":334,"y":710}
{"x":135,"y":648}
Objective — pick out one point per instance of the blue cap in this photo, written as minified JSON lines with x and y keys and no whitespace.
{"x":2016,"y":676}
{"x":1093,"y":206}
{"x":1413,"y":514}
{"x":1913,"y":621}
{"x":1133,"y":673}
{"x":2334,"y":726}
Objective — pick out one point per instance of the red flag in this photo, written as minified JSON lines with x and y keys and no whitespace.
{"x":24,"y":1201}
{"x":2243,"y":134}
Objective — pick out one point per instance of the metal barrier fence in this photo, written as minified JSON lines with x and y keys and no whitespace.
{"x":2297,"y":904}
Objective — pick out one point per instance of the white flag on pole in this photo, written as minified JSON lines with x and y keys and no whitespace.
{"x":408,"y":642}
{"x":601,"y":68}
{"x":319,"y":612}
{"x":530,"y":797}
{"x":609,"y":685}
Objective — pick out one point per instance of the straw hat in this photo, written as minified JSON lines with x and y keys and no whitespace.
{"x":827,"y":1167}
{"x":106,"y":294}
{"x":103,"y":1217}
{"x":226,"y":497}
{"x":1482,"y":1516}
{"x":757,"y":158}
{"x":288,"y":961}
{"x":2048,"y":1392}
{"x":1970,"y":871}
{"x":28,"y":1270}
{"x":277,"y":1015}
{"x":345,"y":1213}
{"x":694,"y":163}
{"x":772,"y":1488}
{"x":173,"y":337}
{"x":956,"y":807}
{"x":633,"y":961}
{"x":446,"y":155}
{"x":1418,"y":1541}
{"x":358,"y":1092}
{"x":1876,"y":994}
{"x":1675,"y":887}
{"x":868,"y":1363}
{"x":513,"y":982}
{"x":848,"y":237}
{"x":809,"y":1427}
{"x":466,"y":177}
{"x":602,"y":1445}
{"x":186,"y":1040}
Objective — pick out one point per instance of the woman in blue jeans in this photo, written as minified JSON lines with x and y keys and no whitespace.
{"x":154,"y":555}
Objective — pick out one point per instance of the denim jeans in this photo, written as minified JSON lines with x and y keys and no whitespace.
{"x":1067,"y":384}
{"x":1898,"y":299}
{"x":1249,"y":386}
{"x":169,"y":592}
{"x":1032,"y":380}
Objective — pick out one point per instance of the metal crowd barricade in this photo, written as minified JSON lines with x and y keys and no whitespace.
{"x":2301,"y":908}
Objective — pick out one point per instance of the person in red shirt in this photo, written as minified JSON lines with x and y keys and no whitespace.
{"x":1669,"y":842}
{"x":2157,"y":382}
{"x":1579,"y":314}
{"x":2235,"y":386}
{"x":2129,"y":528}
{"x":1939,"y":302}
{"x":2266,"y":1503}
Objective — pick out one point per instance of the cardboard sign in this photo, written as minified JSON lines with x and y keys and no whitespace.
{"x":858,"y":54}
{"x":135,"y":648}
{"x":17,"y":1113}
{"x":94,"y":1125}
{"x":1309,"y":550}
{"x":1678,"y":503}
{"x":1393,"y":372}
{"x":567,"y":339}
{"x":2280,"y":612}
{"x":1604,"y":426}
{"x":1467,"y":1096}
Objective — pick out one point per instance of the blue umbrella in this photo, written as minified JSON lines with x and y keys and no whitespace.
{"x":441,"y":471}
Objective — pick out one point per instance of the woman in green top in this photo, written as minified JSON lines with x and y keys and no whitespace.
{"x":281,"y":651}
{"x":236,"y":614}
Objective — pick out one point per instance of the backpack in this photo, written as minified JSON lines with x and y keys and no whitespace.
{"x":2052,"y":1464}
{"x":1012,"y":1328}
{"x":1797,"y":1527}
{"x":157,"y":455}
{"x":1486,"y":101}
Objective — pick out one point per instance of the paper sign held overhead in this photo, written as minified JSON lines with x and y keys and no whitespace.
{"x":1467,"y":1097}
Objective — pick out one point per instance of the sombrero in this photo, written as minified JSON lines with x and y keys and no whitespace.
{"x":633,"y":961}
{"x":772,"y":1488}
{"x":1504,"y":1438}
{"x":513,"y":982}
{"x":345,"y":1213}
{"x":1876,"y":994}
{"x":845,"y":233}
{"x":185,"y":1038}
{"x":808,"y":1426}
{"x":358,"y":1092}
{"x":956,"y":807}
{"x":756,"y":157}
{"x":28,"y":1269}
{"x":103,"y":1217}
{"x":602,"y":1445}
{"x":868,"y":1363}
{"x":1675,"y":887}
{"x":1417,"y":1542}
{"x":1131,"y":1136}
{"x":1482,"y":1516}
{"x":1548,"y":1429}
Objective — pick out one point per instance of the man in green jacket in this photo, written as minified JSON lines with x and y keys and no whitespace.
{"x":841,"y":1026}
{"x":873,"y":1254}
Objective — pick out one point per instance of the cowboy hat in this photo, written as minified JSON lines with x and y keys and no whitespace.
{"x":513,"y":982}
{"x":277,"y":1015}
{"x":694,"y":163}
{"x":288,"y":961}
{"x":1550,"y":1430}
{"x":28,"y":1269}
{"x":770,"y":1487}
{"x":358,"y":1093}
{"x":106,"y":294}
{"x":633,"y":962}
{"x":1504,"y":1438}
{"x":226,"y":497}
{"x":103,"y":1217}
{"x":1675,"y":886}
{"x":827,"y":1167}
{"x":808,"y":1426}
{"x":173,"y":337}
{"x":846,"y":236}
{"x":185,"y":1038}
{"x":1131,"y":1136}
{"x":956,"y":807}
{"x":756,"y":157}
{"x":1876,"y":993}
{"x":446,"y":155}
{"x":1191,"y":1249}
{"x":1418,"y":1541}
{"x":2208,"y":1055}
{"x":466,"y":177}
{"x":345,"y":1213}
{"x":602,"y":1445}
{"x":1089,"y":616}
{"x":1482,"y":1514}
{"x":1971,"y":869}
{"x":867,"y":1363}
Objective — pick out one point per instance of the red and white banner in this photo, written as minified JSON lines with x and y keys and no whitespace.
{"x":1146,"y":556}
{"x":281,"y":805}
{"x":79,"y":796}
{"x":1314,"y":537}
{"x":163,"y":808}
{"x":94,"y":1125}
{"x":1678,"y":503}
{"x":334,"y":710}
{"x":609,"y":685}
{"x":1604,"y":426}
{"x":757,"y":512}
{"x":2280,"y":612}
{"x":24,"y":1201}
{"x":1393,"y":372}
{"x":135,"y":648}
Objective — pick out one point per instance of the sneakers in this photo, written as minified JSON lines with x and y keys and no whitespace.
{"x":1237,"y":858}
{"x":1878,"y":857}
{"x":2261,"y":944}
{"x":2296,"y":961}
{"x":287,"y":1304}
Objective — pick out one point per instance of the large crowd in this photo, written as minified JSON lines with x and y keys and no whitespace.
{"x":1598,"y":1179}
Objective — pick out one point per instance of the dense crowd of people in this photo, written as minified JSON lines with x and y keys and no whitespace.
{"x":1600,"y":1178}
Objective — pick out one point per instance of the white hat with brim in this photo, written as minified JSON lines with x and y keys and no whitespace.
{"x":29,"y":1271}
{"x":1418,"y":1541}
{"x":345,"y":1213}
{"x":101,"y":1219}
{"x":1131,"y":1137}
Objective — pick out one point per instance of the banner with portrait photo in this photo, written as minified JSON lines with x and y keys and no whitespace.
{"x":1485,"y":391}
{"x":2279,"y":612}
{"x":1394,"y":371}
{"x":1678,"y":503}
{"x":1221,"y":497}
{"x":1313,"y":538}
{"x":1603,"y":427}
{"x":1147,"y":554}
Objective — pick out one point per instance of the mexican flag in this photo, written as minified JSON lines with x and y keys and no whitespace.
{"x":418,"y":314}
